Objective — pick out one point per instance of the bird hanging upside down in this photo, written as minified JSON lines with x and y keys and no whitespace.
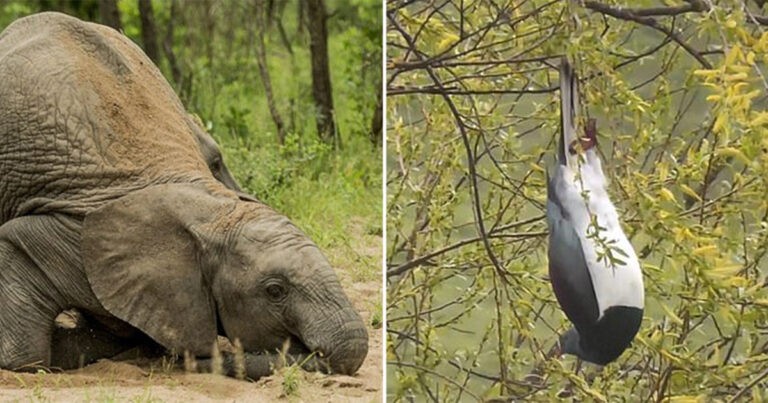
{"x":593,"y":268}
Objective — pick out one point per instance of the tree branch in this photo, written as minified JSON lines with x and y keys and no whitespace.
{"x":455,"y":91}
{"x":692,"y":6}
{"x":641,"y":16}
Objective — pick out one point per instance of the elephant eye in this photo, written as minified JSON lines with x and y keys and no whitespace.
{"x":216,"y":163}
{"x":276,"y":292}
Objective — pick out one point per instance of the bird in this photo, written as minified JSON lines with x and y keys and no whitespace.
{"x":594,"y":271}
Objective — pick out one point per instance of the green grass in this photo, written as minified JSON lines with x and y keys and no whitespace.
{"x":377,"y":320}
{"x":291,"y":380}
{"x":321,"y":189}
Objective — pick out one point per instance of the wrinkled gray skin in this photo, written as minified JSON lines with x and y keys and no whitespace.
{"x":108,"y":208}
{"x":213,"y":158}
{"x":212,"y":155}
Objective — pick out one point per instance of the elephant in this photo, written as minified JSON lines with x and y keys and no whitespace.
{"x":109,"y":209}
{"x":213,"y":157}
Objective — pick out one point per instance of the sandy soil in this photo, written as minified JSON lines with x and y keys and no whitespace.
{"x":155,"y":381}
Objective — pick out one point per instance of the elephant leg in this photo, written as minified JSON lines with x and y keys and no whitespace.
{"x":40,"y":276}
{"x":27,"y":314}
{"x":78,"y":341}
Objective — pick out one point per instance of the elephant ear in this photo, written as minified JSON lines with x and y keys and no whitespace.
{"x":142,"y":257}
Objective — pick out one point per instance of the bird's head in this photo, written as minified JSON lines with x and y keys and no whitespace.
{"x":569,"y":342}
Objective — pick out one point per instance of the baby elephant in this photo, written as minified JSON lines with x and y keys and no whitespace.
{"x":109,"y":208}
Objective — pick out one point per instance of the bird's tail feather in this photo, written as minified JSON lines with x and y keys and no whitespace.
{"x":569,"y":109}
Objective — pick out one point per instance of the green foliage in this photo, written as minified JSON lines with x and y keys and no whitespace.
{"x":376,"y":318}
{"x":473,"y":112}
{"x":321,"y":189}
{"x":14,"y":10}
{"x":291,"y":380}
{"x":606,"y":248}
{"x":359,"y":26}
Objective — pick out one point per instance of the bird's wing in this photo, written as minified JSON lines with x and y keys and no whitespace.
{"x":568,"y":270}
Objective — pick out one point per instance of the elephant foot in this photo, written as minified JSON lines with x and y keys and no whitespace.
{"x":79,"y":340}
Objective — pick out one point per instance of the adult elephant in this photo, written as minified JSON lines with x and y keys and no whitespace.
{"x":213,"y":157}
{"x":108,"y":207}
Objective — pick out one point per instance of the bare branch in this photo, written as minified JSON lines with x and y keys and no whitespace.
{"x":631,"y":15}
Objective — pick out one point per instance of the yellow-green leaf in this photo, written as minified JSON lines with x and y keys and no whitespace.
{"x":666,"y":195}
{"x":705,"y":250}
{"x":448,"y":40}
{"x":732,"y":153}
{"x":690,"y":192}
{"x":725,"y":269}
{"x":672,"y":315}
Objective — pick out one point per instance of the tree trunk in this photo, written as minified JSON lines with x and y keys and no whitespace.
{"x":321,"y":75}
{"x":261,"y":59}
{"x":378,"y":117}
{"x":148,"y":30}
{"x":300,"y":14}
{"x":278,"y":18}
{"x":109,"y":14}
{"x":168,"y":48}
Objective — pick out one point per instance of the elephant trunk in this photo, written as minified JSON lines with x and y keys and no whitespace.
{"x":254,"y":366}
{"x":336,"y":345}
{"x":340,"y":341}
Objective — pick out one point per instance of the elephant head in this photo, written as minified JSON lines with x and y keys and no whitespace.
{"x":214,"y":159}
{"x":211,"y":153}
{"x":185,"y":262}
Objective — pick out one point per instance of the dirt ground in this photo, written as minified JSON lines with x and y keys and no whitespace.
{"x":156,"y":381}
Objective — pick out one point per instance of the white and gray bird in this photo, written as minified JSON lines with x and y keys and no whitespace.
{"x":602,"y":297}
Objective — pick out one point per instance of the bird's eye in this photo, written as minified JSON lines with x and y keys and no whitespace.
{"x":275,"y":291}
